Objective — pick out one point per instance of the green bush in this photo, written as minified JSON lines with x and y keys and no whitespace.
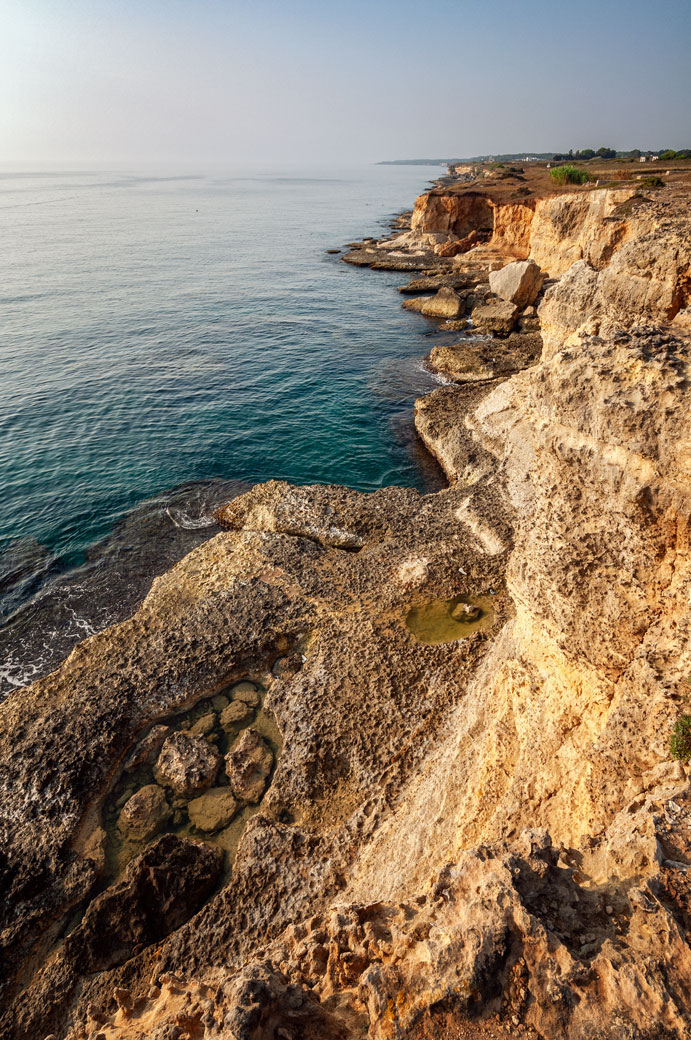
{"x":570,"y":175}
{"x":669,"y":153}
{"x":680,"y":741}
{"x":652,"y":182}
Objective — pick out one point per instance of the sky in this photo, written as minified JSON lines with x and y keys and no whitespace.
{"x":177,"y":81}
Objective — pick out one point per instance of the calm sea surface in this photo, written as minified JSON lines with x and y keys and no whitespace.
{"x":166,"y":341}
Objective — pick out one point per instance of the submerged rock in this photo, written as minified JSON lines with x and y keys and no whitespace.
{"x":147,"y":748}
{"x":186,"y":764}
{"x":204,"y":725}
{"x":213,"y":810}
{"x":144,"y":814}
{"x":246,"y":692}
{"x":465,"y":612}
{"x":248,"y":765}
{"x":235,"y":714}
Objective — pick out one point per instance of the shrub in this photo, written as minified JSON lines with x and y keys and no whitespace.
{"x":669,"y":153}
{"x":570,"y":175}
{"x":652,"y":182}
{"x":680,"y":741}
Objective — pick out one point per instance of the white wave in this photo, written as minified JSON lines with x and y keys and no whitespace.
{"x":14,"y":675}
{"x":187,"y":522}
{"x":436,"y":377}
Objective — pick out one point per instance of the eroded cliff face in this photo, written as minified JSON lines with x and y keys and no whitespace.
{"x":474,"y":827}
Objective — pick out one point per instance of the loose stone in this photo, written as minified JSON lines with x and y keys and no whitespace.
{"x":246,"y":692}
{"x":203,"y":726}
{"x":236,"y":713}
{"x":187,"y":763}
{"x":248,"y":764}
{"x":144,"y":814}
{"x":213,"y":810}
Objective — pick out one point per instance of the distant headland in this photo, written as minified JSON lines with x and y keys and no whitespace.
{"x":583,"y":155}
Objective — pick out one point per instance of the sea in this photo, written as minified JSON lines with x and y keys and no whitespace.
{"x":167,"y":340}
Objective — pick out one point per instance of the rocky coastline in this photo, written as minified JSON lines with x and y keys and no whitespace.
{"x":395,"y":765}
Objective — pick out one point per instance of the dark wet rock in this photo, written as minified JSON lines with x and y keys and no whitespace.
{"x":473,"y":360}
{"x":186,"y":764}
{"x":144,"y":814}
{"x":248,"y":764}
{"x":160,"y":889}
{"x":284,"y":667}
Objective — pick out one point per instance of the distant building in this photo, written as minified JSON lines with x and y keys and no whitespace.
{"x":643,"y":158}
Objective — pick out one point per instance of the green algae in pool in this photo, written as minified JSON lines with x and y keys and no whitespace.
{"x":435,"y":622}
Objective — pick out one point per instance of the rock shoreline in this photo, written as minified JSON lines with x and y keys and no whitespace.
{"x":474,"y":837}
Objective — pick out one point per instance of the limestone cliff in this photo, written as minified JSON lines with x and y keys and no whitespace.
{"x":472,"y":825}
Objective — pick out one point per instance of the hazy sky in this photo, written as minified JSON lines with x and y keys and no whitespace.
{"x":233,"y":81}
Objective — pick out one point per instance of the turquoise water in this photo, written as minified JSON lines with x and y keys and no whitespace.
{"x":187,"y":330}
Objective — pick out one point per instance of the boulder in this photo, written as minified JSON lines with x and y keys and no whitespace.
{"x":187,"y":763}
{"x":144,"y":814}
{"x":160,"y":890}
{"x":235,"y":714}
{"x":518,"y":282}
{"x":444,"y":304}
{"x":248,"y":764}
{"x":495,"y":316}
{"x":416,"y":304}
{"x":213,"y":810}
{"x":463,"y":245}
